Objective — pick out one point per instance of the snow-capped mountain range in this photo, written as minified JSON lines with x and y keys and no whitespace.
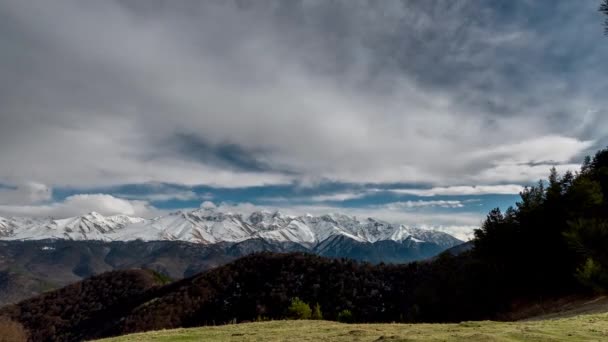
{"x":209,"y":226}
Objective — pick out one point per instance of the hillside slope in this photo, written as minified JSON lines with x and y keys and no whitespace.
{"x":259,"y":285}
{"x":30,"y":267}
{"x":581,"y":328}
{"x":83,"y":309}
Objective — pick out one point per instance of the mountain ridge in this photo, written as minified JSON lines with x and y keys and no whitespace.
{"x":209,"y":226}
{"x":41,"y":254}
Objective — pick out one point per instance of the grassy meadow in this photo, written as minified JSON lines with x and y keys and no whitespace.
{"x":580,"y":328}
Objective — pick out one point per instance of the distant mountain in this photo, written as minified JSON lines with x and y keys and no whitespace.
{"x":462,"y":248}
{"x":38,"y":255}
{"x":30,"y":267}
{"x":209,"y":226}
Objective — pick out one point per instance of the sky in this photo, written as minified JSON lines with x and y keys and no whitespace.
{"x":427,"y":113}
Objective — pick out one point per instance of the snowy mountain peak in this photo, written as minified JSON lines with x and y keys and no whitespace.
{"x":208,"y":225}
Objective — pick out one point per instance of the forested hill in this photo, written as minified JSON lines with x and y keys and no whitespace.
{"x":556,"y":238}
{"x":260,"y":286}
{"x":553,"y":243}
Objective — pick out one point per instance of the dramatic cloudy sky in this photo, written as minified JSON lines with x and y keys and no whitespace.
{"x":423,"y":112}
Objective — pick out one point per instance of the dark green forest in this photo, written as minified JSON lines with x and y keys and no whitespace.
{"x":555,"y":239}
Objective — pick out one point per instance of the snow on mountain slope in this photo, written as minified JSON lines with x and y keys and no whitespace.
{"x":209,"y":226}
{"x":203,"y":225}
{"x":92,"y":226}
{"x":5,"y":227}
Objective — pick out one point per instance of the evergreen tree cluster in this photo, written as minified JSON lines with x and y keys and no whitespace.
{"x":555,"y":239}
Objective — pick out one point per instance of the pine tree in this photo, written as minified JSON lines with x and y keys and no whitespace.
{"x":316,"y":312}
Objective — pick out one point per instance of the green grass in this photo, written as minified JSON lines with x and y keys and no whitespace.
{"x":581,"y":328}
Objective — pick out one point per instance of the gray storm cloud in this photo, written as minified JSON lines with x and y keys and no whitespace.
{"x":238,"y":93}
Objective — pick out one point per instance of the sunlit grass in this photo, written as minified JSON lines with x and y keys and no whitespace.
{"x":580,"y":328}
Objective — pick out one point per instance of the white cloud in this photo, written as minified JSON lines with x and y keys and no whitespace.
{"x":523,"y":173}
{"x":356,"y":107}
{"x":179,"y":195}
{"x":81,"y":204}
{"x":208,"y":205}
{"x":545,"y":149}
{"x":338,"y":197}
{"x":507,"y":189}
{"x":332,"y":197}
{"x":424,"y":204}
{"x":26,"y":193}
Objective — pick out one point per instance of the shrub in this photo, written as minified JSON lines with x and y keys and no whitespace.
{"x":298,"y":309}
{"x":316,"y":312}
{"x":11,"y":331}
{"x":345,"y":316}
{"x":592,"y":275}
